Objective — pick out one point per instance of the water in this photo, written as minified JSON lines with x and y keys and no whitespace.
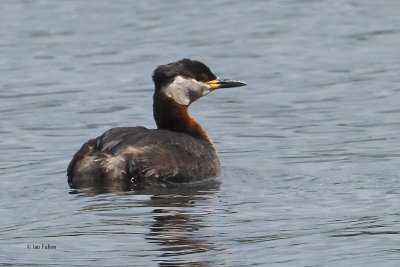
{"x":309,"y":148}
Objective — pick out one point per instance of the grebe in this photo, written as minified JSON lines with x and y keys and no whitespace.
{"x":178,"y":151}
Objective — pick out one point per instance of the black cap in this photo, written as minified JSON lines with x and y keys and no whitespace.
{"x":186,"y":67}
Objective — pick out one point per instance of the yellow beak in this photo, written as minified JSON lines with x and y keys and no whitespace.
{"x":224,"y":83}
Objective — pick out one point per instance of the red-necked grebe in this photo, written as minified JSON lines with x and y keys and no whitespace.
{"x":179,"y":150}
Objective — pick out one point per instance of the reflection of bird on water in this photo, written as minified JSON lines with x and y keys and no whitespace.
{"x":178,"y":232}
{"x":179,"y":228}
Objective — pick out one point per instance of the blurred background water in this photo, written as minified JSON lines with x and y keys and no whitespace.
{"x":310,"y":148}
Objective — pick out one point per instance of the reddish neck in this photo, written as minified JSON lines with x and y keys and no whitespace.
{"x":169,"y":115}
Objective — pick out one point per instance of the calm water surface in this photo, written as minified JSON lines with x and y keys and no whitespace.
{"x":310,"y":148}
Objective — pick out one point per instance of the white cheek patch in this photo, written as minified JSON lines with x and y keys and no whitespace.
{"x":186,"y":90}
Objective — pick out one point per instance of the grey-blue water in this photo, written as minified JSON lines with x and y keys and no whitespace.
{"x":309,"y":148}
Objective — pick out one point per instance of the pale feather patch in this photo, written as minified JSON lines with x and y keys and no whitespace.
{"x":86,"y":164}
{"x":114,"y":166}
